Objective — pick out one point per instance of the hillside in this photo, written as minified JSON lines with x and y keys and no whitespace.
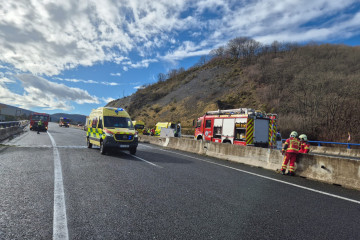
{"x":313,"y":88}
{"x":75,"y":118}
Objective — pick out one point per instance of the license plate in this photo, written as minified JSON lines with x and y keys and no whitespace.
{"x":123,"y":146}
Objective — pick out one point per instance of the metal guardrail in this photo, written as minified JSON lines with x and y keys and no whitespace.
{"x":14,"y":124}
{"x":335,"y":143}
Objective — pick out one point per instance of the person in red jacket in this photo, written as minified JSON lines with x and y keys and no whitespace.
{"x":291,"y":150}
{"x":305,"y":146}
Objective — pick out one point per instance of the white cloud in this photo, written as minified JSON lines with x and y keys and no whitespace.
{"x":48,"y":37}
{"x":108,"y":99}
{"x":39,"y":92}
{"x":110,"y":83}
{"x":86,"y":81}
{"x":5,"y":79}
{"x":139,"y":87}
{"x":142,"y":64}
{"x":188,"y":49}
{"x":115,"y":74}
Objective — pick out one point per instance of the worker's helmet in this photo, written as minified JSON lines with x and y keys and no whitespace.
{"x":293,"y":134}
{"x":303,"y":137}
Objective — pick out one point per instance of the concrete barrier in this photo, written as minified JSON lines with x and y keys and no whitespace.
{"x":336,"y":151}
{"x":5,"y":133}
{"x":344,"y":172}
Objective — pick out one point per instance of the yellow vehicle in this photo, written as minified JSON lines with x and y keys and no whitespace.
{"x":161,"y":125}
{"x":111,"y":128}
{"x":138,"y":125}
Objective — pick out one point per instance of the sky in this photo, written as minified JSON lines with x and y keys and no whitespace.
{"x":72,"y":56}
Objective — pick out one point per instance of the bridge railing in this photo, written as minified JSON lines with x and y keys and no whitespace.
{"x":335,"y":143}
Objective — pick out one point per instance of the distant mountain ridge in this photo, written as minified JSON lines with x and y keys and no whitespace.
{"x":75,"y":118}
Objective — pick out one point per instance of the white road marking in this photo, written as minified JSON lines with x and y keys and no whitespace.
{"x":258,"y":175}
{"x":145,"y":161}
{"x":60,"y":229}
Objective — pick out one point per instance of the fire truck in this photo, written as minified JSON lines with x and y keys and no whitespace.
{"x":64,"y":122}
{"x":243,"y":126}
{"x":36,"y":117}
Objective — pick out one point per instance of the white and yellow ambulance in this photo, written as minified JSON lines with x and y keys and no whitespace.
{"x":111,"y":128}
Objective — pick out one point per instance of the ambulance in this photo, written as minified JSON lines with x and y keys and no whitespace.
{"x":111,"y":128}
{"x":160,"y":125}
{"x":138,"y":125}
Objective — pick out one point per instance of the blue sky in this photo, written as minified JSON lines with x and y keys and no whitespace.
{"x":73,"y":56}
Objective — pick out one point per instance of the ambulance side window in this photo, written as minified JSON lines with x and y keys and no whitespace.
{"x":208,"y":124}
{"x":94,"y":122}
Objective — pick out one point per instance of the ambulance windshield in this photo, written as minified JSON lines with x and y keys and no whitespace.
{"x":117,"y":122}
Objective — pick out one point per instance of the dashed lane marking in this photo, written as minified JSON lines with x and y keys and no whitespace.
{"x":261,"y":176}
{"x":60,"y":228}
{"x":144,"y":160}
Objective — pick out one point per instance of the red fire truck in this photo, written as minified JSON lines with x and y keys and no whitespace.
{"x":243,"y":126}
{"x":34,"y":119}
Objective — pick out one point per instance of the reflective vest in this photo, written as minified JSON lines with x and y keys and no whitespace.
{"x":40,"y":123}
{"x":304,"y":148}
{"x":292,"y":145}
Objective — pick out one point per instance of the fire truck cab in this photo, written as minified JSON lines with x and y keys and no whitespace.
{"x":243,"y":126}
{"x":35,"y":118}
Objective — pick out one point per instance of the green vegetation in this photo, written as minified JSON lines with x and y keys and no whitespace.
{"x":313,"y":88}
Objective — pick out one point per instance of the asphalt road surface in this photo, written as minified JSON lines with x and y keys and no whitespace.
{"x":53,"y":187}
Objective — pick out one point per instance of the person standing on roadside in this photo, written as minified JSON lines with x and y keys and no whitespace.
{"x":39,"y":126}
{"x":304,"y":145}
{"x":291,"y":150}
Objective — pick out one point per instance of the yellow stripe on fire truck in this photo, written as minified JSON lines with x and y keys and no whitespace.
{"x":250,"y":131}
{"x":272,"y":132}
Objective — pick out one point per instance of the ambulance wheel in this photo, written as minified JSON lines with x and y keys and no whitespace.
{"x":88,"y":143}
{"x":102,"y":148}
{"x":133,"y":150}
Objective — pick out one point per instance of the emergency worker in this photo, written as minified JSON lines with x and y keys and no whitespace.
{"x":304,"y":145}
{"x":291,"y":150}
{"x":39,"y":126}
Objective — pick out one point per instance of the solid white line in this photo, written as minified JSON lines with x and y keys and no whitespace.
{"x":258,"y":175}
{"x":145,"y":161}
{"x":60,"y":229}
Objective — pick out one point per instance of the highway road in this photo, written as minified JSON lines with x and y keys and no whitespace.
{"x":53,"y":187}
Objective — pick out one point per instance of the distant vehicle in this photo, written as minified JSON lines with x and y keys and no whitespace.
{"x":161,"y":125}
{"x":111,"y":128}
{"x":87,"y":123}
{"x":34,"y":120}
{"x":243,"y":126}
{"x":64,"y":122}
{"x":138,"y":125}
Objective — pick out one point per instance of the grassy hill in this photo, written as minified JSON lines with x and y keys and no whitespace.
{"x":313,"y":88}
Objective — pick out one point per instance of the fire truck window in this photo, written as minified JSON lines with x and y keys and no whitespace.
{"x":208,"y":124}
{"x":240,"y":134}
{"x":198,"y":124}
{"x":217,"y":132}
